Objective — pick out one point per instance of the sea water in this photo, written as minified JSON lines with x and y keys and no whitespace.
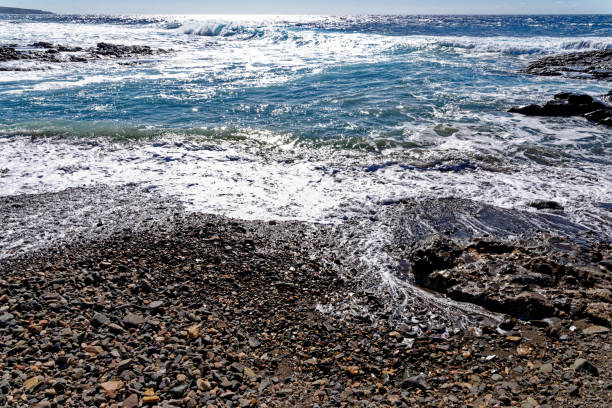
{"x":313,"y":118}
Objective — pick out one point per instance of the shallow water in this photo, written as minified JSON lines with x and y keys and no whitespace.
{"x":310,"y":118}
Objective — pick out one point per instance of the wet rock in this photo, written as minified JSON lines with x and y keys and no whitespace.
{"x":432,"y":255}
{"x":42,"y":44}
{"x":588,"y":65}
{"x":546,"y":205}
{"x":533,"y":279}
{"x":572,"y":105}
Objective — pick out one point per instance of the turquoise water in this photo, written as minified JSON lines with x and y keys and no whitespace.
{"x":306,"y":117}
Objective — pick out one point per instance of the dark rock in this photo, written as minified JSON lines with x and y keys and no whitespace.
{"x":133,"y":320}
{"x":508,"y":323}
{"x":5,"y":318}
{"x":491,"y":247}
{"x":106,"y":49}
{"x":179,"y":390}
{"x":155,"y":305}
{"x":546,"y":205}
{"x":533,"y":279}
{"x":10,"y":54}
{"x":583,"y":365}
{"x":590,"y":64}
{"x":573,"y":390}
{"x":574,"y":99}
{"x":568,"y":104}
{"x":253,"y":342}
{"x":414,"y":382}
{"x":42,"y":44}
{"x":100,"y":320}
{"x":432,"y":255}
{"x":599,"y":116}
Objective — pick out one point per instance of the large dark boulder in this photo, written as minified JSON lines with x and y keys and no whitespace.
{"x":568,"y":104}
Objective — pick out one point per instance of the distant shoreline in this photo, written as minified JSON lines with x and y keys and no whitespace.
{"x":15,"y":10}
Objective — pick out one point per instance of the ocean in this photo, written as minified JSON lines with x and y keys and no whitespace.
{"x":313,"y":118}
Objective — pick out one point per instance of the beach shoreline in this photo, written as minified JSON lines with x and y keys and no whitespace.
{"x":202,"y":310}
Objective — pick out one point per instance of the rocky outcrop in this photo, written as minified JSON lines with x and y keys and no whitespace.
{"x":587,"y":65}
{"x":568,"y":104}
{"x":47,"y":52}
{"x":515,"y":279}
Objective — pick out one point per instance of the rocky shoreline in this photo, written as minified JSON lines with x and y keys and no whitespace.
{"x":199,"y":310}
{"x":596,"y":65}
{"x":57,"y":53}
{"x":582,"y":65}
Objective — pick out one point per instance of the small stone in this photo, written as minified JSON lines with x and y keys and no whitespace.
{"x":181,"y":378}
{"x":523,"y":350}
{"x":546,"y":368}
{"x":253,"y":342}
{"x":94,"y":350}
{"x":179,"y":390}
{"x":150,"y":399}
{"x":111,"y":387}
{"x":131,"y":401}
{"x":133,"y":320}
{"x":124,"y":365}
{"x":5,"y":318}
{"x":530,"y":403}
{"x":43,"y":404}
{"x":415,"y":382}
{"x":595,"y":330}
{"x":194,"y":332}
{"x":249,"y":373}
{"x":115,"y":328}
{"x":155,"y":305}
{"x":203,"y":385}
{"x":263,"y":385}
{"x":78,"y":373}
{"x":32,"y":383}
{"x":514,"y":339}
{"x":100,"y":320}
{"x":244,"y":402}
{"x":583,"y":365}
{"x":352,"y":370}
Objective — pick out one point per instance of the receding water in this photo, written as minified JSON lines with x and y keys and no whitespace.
{"x":313,"y":118}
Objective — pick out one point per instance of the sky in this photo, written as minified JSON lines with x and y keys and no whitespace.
{"x":337,"y":7}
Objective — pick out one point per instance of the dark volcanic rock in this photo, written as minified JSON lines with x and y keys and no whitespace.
{"x":119,"y":51}
{"x":568,"y":104}
{"x":42,"y":44}
{"x":546,"y":205}
{"x":506,"y":277}
{"x":590,"y":65}
{"x":60,"y":54}
{"x":10,"y":54}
